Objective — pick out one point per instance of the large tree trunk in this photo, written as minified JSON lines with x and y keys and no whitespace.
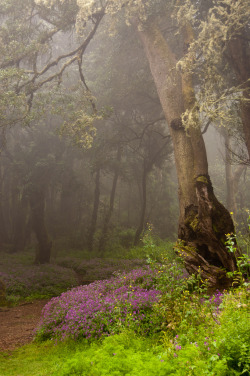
{"x":37,"y":206}
{"x":203,"y":221}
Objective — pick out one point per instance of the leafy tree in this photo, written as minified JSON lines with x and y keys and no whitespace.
{"x":203,"y":220}
{"x":221,"y":50}
{"x":35,"y":53}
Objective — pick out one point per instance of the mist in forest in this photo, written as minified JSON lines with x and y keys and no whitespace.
{"x":124,"y":187}
{"x":92,"y":153}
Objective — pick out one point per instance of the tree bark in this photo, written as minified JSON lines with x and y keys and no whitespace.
{"x":203,"y":221}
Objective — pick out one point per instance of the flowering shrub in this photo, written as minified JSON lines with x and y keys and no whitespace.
{"x":221,"y":345}
{"x":103,"y":307}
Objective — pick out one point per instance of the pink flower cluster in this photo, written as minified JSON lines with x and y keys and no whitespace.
{"x":101,"y":308}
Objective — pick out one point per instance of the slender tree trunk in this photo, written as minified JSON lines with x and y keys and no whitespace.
{"x":3,"y":232}
{"x":20,"y":224}
{"x":103,"y":239}
{"x":141,"y":226}
{"x":92,"y":227}
{"x":231,"y":203}
{"x":232,"y":178}
{"x":203,"y":221}
{"x":37,"y":205}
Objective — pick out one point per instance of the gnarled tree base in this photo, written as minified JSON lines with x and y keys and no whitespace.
{"x":203,"y":233}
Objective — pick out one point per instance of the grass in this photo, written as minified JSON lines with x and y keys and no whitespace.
{"x":119,"y":355}
{"x":36,"y":359}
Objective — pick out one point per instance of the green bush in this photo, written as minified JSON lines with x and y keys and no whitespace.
{"x":233,"y":333}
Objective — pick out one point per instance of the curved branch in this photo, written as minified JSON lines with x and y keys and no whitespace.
{"x":75,"y":53}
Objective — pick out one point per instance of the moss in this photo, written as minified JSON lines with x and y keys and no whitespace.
{"x":194,"y":224}
{"x":192,"y":221}
{"x":202,"y":179}
{"x":215,"y":228}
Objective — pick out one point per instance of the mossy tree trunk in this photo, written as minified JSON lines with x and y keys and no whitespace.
{"x":203,"y":221}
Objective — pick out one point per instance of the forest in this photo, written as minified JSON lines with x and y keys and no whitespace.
{"x":125,"y":187}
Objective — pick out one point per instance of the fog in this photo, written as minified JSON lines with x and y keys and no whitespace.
{"x":89,"y":145}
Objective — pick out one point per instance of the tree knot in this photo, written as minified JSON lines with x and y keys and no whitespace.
{"x":176,"y":124}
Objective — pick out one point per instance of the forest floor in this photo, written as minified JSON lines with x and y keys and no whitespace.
{"x":17,"y":324}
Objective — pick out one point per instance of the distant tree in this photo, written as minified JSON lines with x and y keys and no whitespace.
{"x":107,"y":218}
{"x":31,"y":165}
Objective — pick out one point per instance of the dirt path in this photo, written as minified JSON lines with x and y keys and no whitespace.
{"x":17,"y":324}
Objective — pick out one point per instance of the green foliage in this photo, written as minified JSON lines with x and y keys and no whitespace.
{"x":152,"y":248}
{"x":119,"y":355}
{"x":241,"y":275}
{"x":243,"y":232}
{"x":213,"y":348}
{"x":233,"y":333}
{"x":218,"y":94}
{"x":189,"y":333}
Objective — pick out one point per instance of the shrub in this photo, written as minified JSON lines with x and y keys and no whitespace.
{"x":102,"y":308}
{"x":233,"y":333}
{"x":119,"y":355}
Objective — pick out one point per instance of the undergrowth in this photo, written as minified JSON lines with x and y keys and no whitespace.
{"x":210,"y":348}
{"x":155,"y":320}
